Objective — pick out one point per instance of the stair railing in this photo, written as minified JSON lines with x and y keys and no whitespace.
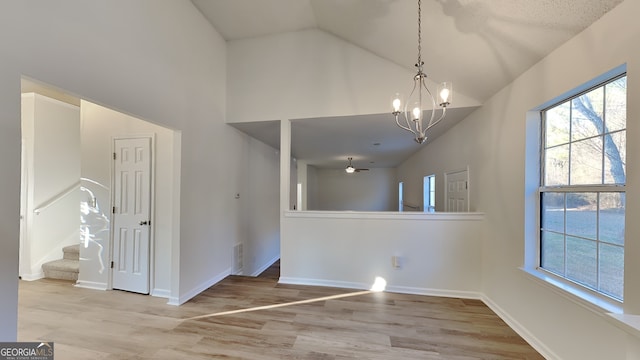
{"x":45,"y":205}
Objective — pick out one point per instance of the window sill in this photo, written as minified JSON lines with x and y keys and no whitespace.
{"x":627,"y":322}
{"x":597,"y":304}
{"x":611,"y":310}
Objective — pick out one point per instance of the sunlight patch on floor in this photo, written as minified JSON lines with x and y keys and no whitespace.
{"x":275,"y":306}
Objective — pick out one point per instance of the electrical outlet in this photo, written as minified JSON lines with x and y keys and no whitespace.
{"x":395,"y":262}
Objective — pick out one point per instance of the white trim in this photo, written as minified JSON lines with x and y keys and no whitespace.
{"x":381,"y":215}
{"x":435,"y":292}
{"x":575,"y":293}
{"x":324,"y":283}
{"x":91,"y":285}
{"x":265,"y":266}
{"x":627,"y":322}
{"x":538,"y":345}
{"x":162,"y":293}
{"x":173,"y":301}
{"x":393,"y":289}
{"x":33,"y":276}
{"x":200,"y":288}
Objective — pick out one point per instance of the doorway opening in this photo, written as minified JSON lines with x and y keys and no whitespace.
{"x":89,"y":191}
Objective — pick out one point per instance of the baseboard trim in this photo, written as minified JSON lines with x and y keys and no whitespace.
{"x":91,"y":285}
{"x":173,"y":301}
{"x":200,"y":288}
{"x":32,"y":277}
{"x":521,"y":330}
{"x":394,"y":289}
{"x":266,"y":266}
{"x":325,"y":283}
{"x":161,"y":293}
{"x":460,"y":294}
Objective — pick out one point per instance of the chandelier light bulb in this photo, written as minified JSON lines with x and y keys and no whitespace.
{"x":445,"y":90}
{"x":444,"y":94}
{"x":397,"y":103}
{"x":417,"y":113}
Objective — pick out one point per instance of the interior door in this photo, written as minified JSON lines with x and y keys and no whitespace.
{"x":131,"y":214}
{"x":457,"y":191}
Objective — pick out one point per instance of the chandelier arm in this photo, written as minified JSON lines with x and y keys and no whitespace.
{"x":433,"y":104}
{"x":444,"y":111}
{"x":406,"y":119}
{"x":402,"y":126}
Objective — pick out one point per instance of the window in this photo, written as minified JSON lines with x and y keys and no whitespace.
{"x":582,"y":192}
{"x":400,"y":196}
{"x":429,"y":193}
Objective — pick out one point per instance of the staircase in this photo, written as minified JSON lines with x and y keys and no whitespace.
{"x":66,"y":268}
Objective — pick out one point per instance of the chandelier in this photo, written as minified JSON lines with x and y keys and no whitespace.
{"x":421,"y":99}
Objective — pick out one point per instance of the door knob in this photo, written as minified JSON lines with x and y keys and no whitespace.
{"x":145,"y":222}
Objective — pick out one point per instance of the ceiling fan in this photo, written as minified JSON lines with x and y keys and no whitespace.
{"x":350,"y":169}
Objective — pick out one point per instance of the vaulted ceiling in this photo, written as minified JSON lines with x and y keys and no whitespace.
{"x":479,"y":45}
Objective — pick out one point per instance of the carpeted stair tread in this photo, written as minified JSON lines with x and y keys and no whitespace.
{"x":71,"y":252}
{"x":64,"y":269}
{"x":63,"y":265}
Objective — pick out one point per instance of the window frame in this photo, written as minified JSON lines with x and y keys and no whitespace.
{"x":429,"y":193}
{"x":576,"y":188}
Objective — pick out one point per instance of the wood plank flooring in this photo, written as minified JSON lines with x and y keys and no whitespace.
{"x":307,"y":324}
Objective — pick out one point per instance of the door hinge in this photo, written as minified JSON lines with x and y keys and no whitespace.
{"x":112,"y":264}
{"x":113,"y":210}
{"x":114,"y":156}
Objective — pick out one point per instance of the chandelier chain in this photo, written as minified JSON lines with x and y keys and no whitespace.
{"x":419,"y":64}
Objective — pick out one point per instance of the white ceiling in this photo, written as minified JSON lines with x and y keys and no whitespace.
{"x":479,"y":45}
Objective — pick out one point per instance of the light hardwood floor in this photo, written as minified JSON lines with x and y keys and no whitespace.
{"x":91,"y":324}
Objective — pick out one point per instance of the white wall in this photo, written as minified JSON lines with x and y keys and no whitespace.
{"x":492,"y":142}
{"x":308,"y":74}
{"x":51,"y":135}
{"x":141,"y":67}
{"x":163,"y":62}
{"x":439,"y":161}
{"x":373,"y":190}
{"x":258,"y":228}
{"x":438,"y":253}
{"x":99,"y":127}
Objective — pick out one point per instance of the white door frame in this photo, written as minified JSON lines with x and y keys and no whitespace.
{"x":446,"y":187}
{"x":24,"y":212}
{"x":152,"y":197}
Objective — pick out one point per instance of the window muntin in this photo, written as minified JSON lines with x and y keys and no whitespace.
{"x":582,"y":198}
